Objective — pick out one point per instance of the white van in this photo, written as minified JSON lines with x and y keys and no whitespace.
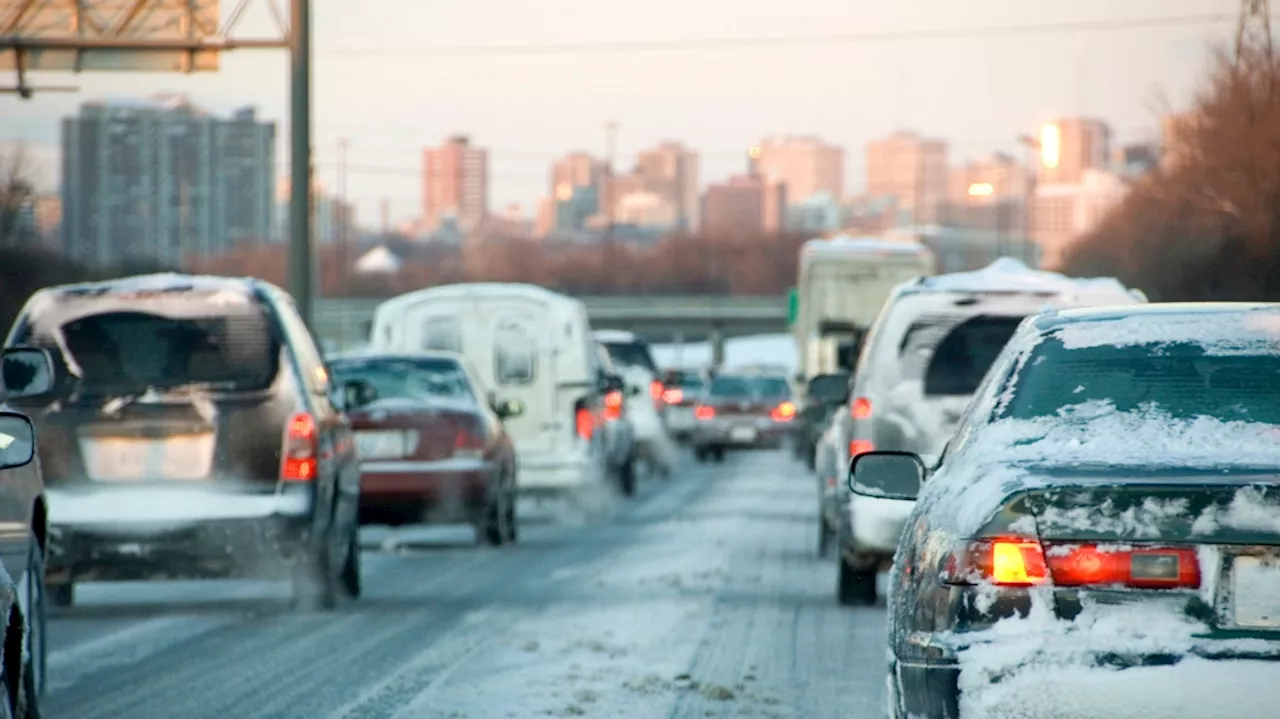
{"x":527,"y":343}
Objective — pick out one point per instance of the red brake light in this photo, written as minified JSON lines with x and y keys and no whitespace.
{"x":673,"y":396}
{"x":703,"y":411}
{"x":1025,"y":562}
{"x":783,"y":412}
{"x":298,"y":459}
{"x":467,"y":442}
{"x":861,"y":408}
{"x":860,"y":446}
{"x":655,"y":389}
{"x":584,"y":422}
{"x":613,"y":405}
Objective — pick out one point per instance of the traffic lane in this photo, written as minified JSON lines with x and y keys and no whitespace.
{"x":702,"y":596}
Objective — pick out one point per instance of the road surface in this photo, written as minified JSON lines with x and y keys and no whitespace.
{"x":702,"y":597}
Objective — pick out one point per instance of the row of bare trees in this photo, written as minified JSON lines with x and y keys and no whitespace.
{"x":1207,"y":225}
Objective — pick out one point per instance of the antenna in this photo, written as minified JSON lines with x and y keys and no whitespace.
{"x":1254,"y":29}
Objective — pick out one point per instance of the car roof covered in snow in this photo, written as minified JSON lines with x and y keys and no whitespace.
{"x":475,"y":291}
{"x":1011,"y":276}
{"x":847,"y":245}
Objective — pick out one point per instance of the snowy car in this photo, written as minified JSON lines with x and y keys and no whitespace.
{"x":923,"y":358}
{"x":1101,"y":537}
{"x":633,"y":361}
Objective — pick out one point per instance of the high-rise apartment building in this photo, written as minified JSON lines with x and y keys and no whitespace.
{"x":806,"y":165}
{"x":670,"y":171}
{"x":456,"y":185}
{"x":911,"y":169}
{"x":575,"y":170}
{"x":161,"y":179}
{"x":744,"y":205}
{"x":1069,"y":146}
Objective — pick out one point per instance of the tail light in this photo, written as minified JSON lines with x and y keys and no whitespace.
{"x":613,"y":405}
{"x":860,"y":409}
{"x":673,"y":396}
{"x":468,"y":444}
{"x":784,"y":412}
{"x":860,"y":446}
{"x":298,"y":460}
{"x":1022,"y":562}
{"x":655,"y":390}
{"x":583,"y":422}
{"x":703,"y":411}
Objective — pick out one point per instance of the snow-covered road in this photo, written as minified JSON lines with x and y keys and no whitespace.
{"x":701,"y":598}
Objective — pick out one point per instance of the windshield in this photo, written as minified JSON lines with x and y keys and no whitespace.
{"x":132,"y":351}
{"x":631,"y":354}
{"x":724,"y":386}
{"x":951,"y":354}
{"x":1178,"y":380}
{"x":772,"y":388}
{"x":407,"y":378}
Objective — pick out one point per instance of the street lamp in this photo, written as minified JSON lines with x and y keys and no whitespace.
{"x":1050,"y":158}
{"x":981,"y":189}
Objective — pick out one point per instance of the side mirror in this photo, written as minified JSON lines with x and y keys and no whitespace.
{"x":357,"y":393}
{"x":886,"y":475}
{"x":509,"y":408}
{"x":25,"y":372}
{"x":17,"y":440}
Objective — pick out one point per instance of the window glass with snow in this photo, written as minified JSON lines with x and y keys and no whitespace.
{"x":515,"y":349}
{"x":441,"y":333}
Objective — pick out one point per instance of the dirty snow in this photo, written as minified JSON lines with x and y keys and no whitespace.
{"x":1040,"y":667}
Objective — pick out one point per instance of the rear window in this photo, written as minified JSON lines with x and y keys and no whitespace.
{"x":631,"y":354}
{"x":772,"y":388}
{"x":831,"y":387}
{"x":1177,"y":379}
{"x":131,"y":351}
{"x":951,"y":354}
{"x":407,"y":377}
{"x":515,"y":350}
{"x":442,"y":334}
{"x":731,"y":387}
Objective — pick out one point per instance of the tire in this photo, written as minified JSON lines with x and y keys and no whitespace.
{"x":350,"y":579}
{"x":314,"y":586}
{"x":493,"y":526}
{"x":627,"y":478}
{"x":855,"y":588}
{"x":718,"y":454}
{"x":26,"y":705}
{"x":61,"y":596}
{"x":700,"y":453}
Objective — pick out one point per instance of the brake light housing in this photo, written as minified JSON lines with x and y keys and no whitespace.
{"x":784,"y":412}
{"x":299,"y":457}
{"x":1026,"y":562}
{"x":613,"y":405}
{"x":655,"y":390}
{"x":860,"y":446}
{"x":704,"y":412}
{"x":584,"y":422}
{"x":673,"y":396}
{"x":468,"y":444}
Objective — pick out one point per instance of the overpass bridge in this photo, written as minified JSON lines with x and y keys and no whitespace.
{"x":343,"y":323}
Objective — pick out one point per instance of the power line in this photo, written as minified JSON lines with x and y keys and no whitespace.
{"x":730,"y":43}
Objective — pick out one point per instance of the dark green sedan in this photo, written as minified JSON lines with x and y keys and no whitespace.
{"x":1101,"y":536}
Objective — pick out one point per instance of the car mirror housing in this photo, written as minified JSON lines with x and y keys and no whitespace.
{"x":886,"y":475}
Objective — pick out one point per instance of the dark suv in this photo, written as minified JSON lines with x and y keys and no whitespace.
{"x":192,"y":432}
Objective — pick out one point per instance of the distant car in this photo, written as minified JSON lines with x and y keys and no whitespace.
{"x":825,"y":395}
{"x":616,"y":424}
{"x":193,"y":432}
{"x":24,"y":373}
{"x":742,"y":412}
{"x":681,"y":390}
{"x":1102,"y":534}
{"x":431,"y":441}
{"x":923,"y":358}
{"x":632,"y":360}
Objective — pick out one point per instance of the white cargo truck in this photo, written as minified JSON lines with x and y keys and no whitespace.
{"x":843,"y":283}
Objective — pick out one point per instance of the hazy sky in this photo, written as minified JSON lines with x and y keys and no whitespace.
{"x":376,"y":85}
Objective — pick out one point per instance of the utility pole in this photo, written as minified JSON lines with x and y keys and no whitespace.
{"x":1032,"y":146}
{"x":301,"y":263}
{"x":611,"y":198}
{"x":344,"y":216}
{"x":1253,"y":30}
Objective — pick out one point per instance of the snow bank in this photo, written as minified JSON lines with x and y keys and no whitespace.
{"x":776,"y":349}
{"x":1216,"y":333}
{"x":1040,"y":667}
{"x":1009,"y":275}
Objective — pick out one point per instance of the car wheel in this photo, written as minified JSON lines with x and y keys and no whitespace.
{"x":351,"y":581}
{"x":718,"y":454}
{"x":61,"y":595}
{"x":513,"y":532}
{"x":494,"y":524}
{"x":314,"y":586}
{"x":627,"y":477}
{"x":700,"y":454}
{"x":856,"y":587}
{"x":31,"y":593}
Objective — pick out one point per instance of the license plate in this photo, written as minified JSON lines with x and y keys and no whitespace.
{"x":742,"y":434}
{"x":382,"y":444}
{"x":180,"y":457}
{"x":1256,"y":592}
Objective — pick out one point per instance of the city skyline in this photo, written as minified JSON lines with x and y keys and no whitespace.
{"x":977,"y":94}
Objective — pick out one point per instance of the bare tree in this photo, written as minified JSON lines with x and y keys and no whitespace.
{"x":17,"y":185}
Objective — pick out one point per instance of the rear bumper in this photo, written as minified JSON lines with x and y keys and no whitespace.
{"x":721,"y":433}
{"x":400,"y":492}
{"x":158,"y":532}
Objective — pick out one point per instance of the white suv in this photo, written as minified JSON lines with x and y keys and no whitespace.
{"x":922,"y":360}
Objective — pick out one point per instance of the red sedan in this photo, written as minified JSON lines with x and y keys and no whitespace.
{"x":431,"y":441}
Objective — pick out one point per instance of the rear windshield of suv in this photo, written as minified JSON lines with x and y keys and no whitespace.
{"x":128,"y":351}
{"x":407,"y":377}
{"x":631,"y":354}
{"x":1177,"y":379}
{"x":951,"y":354}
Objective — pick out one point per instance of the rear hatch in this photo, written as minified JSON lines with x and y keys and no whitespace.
{"x":182,"y":389}
{"x":521,"y":357}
